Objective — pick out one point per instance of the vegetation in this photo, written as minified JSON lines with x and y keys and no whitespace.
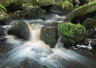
{"x":5,"y":17}
{"x":71,"y":30}
{"x":2,"y":8}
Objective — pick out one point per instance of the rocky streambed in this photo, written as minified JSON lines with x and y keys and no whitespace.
{"x":72,"y":20}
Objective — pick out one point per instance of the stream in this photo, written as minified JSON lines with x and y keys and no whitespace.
{"x":34,"y":53}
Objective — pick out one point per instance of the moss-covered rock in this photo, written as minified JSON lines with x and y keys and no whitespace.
{"x":82,"y":12}
{"x":45,"y":2}
{"x":72,"y":32}
{"x":30,"y":11}
{"x":63,"y":5}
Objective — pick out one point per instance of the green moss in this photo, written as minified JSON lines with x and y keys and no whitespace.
{"x":81,"y":11}
{"x":71,"y":30}
{"x":64,"y":4}
{"x":45,"y":2}
{"x":31,"y":11}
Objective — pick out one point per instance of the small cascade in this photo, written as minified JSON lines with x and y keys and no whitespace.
{"x":34,"y":53}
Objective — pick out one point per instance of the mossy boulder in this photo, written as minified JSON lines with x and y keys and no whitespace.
{"x":81,"y":13}
{"x":72,"y":32}
{"x":44,"y":2}
{"x":14,"y":5}
{"x":30,"y":11}
{"x":63,"y":6}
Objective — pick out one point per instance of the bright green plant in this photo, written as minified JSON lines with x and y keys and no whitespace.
{"x":71,"y":30}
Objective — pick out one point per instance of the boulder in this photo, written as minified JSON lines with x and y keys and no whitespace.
{"x":2,"y":31}
{"x":81,"y":13}
{"x":49,"y":34}
{"x":72,"y":33}
{"x":64,"y":6}
{"x":89,"y":23}
{"x":44,"y":2}
{"x":30,"y":11}
{"x":20,"y":29}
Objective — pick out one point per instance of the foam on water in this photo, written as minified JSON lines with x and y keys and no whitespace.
{"x":36,"y":51}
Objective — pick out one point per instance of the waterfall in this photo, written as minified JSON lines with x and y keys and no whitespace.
{"x":34,"y":53}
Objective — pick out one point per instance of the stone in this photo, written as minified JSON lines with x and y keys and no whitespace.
{"x":32,"y":12}
{"x":49,"y":34}
{"x":20,"y":29}
{"x":81,"y":13}
{"x":89,"y":23}
{"x":72,"y":33}
{"x":64,"y":6}
{"x":44,"y":2}
{"x":2,"y":31}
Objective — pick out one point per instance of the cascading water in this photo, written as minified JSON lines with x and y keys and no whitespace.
{"x":34,"y":53}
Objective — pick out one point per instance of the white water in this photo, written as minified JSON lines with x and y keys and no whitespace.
{"x":36,"y":51}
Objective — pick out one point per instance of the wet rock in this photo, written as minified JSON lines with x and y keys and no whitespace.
{"x":89,"y":23}
{"x":79,"y":14}
{"x":20,"y":29}
{"x":2,"y":31}
{"x":49,"y":34}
